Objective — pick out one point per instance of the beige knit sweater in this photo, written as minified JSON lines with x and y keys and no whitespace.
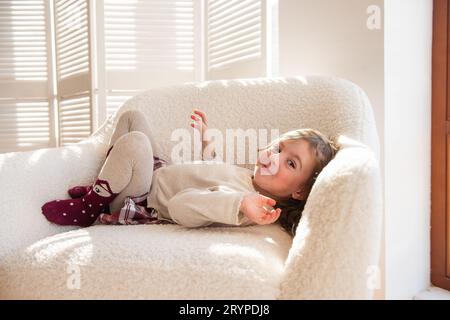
{"x":201,"y":193}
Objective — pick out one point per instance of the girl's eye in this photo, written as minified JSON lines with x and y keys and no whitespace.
{"x":291,"y":163}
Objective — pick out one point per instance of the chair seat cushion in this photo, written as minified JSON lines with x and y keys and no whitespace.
{"x":150,"y":262}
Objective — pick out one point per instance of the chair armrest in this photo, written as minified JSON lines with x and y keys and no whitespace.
{"x":29,"y":179}
{"x":337,"y":245}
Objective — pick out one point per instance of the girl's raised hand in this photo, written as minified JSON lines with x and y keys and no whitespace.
{"x":257,"y":208}
{"x":201,"y":124}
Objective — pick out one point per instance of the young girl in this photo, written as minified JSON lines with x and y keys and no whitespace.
{"x":199,"y":194}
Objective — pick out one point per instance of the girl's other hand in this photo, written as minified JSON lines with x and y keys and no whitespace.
{"x":200,"y":122}
{"x":257,"y":208}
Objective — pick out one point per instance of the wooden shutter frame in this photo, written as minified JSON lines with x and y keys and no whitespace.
{"x":78,"y":85}
{"x":440,"y":137}
{"x":23,"y":91}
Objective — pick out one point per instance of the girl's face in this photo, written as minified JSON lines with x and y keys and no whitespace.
{"x":284,"y":172}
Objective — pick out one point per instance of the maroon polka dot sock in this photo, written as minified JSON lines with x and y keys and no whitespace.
{"x":81,"y":211}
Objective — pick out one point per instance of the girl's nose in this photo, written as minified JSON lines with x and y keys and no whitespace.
{"x":275,"y":159}
{"x":264,"y":157}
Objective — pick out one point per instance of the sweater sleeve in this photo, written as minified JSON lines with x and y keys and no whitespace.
{"x":194,"y":207}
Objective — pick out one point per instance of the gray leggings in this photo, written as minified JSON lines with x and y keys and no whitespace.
{"x":128,"y":168}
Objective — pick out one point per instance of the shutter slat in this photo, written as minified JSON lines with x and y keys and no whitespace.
{"x":72,"y":38}
{"x":144,"y":37}
{"x":234,"y":32}
{"x":22,"y":127}
{"x":75,"y":119}
{"x":115,"y":100}
{"x":230,"y":42}
{"x":235,"y":14}
{"x":146,"y":24}
{"x":22,"y":26}
{"x":24,"y":123}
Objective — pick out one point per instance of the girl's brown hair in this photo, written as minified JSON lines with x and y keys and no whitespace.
{"x":325,"y":150}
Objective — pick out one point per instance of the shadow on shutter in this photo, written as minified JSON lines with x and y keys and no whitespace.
{"x":25,"y":119}
{"x":235,"y":41}
{"x":147,"y":44}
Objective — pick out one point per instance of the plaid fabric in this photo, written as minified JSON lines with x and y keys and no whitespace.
{"x":135,"y":209}
{"x":158,"y":163}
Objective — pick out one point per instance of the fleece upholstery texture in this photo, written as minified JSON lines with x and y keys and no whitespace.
{"x":337,"y":241}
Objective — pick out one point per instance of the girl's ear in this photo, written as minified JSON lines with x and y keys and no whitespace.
{"x":301,"y":193}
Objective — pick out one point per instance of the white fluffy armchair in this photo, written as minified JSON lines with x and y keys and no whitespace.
{"x":337,"y":240}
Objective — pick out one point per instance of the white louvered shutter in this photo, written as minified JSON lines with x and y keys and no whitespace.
{"x":235,"y":39}
{"x":25,"y":117}
{"x":148,"y":43}
{"x":73,"y":70}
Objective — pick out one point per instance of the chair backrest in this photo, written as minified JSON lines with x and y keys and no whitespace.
{"x":331,"y":105}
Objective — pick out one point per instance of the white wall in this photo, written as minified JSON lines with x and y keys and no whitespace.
{"x":331,"y":37}
{"x":408,"y":34}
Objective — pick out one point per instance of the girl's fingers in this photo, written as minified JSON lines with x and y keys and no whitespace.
{"x":201,"y":114}
{"x":267,"y":217}
{"x":278,"y":212}
{"x":267,"y":200}
{"x":197,"y":122}
{"x":274,"y":215}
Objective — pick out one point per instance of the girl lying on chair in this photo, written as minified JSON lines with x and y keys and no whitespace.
{"x":196,"y":194}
